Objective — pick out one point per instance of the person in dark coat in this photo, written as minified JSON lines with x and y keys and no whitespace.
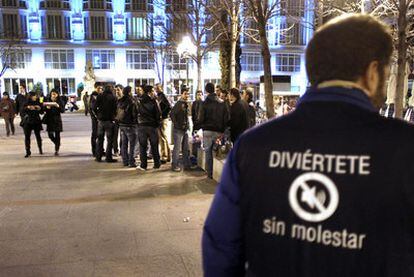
{"x":94,"y":118}
{"x":239,"y":120}
{"x":31,"y":122}
{"x":20,"y":100}
{"x":149,"y":118}
{"x":127,"y":120}
{"x":53,"y":108}
{"x":251,"y":107}
{"x":105,"y":109}
{"x":195,"y":109}
{"x":7,"y":111}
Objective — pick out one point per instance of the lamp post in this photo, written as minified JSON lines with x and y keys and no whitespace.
{"x":186,"y":49}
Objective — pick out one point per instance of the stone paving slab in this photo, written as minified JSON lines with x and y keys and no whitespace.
{"x":71,"y":216}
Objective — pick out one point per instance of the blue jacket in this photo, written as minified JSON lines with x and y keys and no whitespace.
{"x":325,"y":191}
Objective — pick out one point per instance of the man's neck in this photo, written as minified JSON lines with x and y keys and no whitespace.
{"x":343,"y":84}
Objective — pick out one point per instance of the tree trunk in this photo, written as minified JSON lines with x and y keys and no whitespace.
{"x":268,"y":84}
{"x":234,"y":21}
{"x":233,"y":62}
{"x":199,"y":70}
{"x":402,"y":59}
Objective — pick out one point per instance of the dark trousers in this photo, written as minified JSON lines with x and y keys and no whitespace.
{"x":55,"y":138}
{"x":115,"y":138}
{"x":9,"y":125}
{"x":94,"y":135}
{"x":86,"y":108}
{"x":128,"y":141}
{"x":28,"y":133}
{"x":105,"y":128}
{"x":180,"y":145}
{"x":146,"y":133}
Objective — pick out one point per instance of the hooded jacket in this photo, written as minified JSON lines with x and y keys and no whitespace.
{"x":149,"y":113}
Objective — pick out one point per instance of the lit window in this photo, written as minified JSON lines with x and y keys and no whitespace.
{"x":97,"y":5}
{"x":288,"y":62}
{"x":19,"y":59}
{"x":292,"y":8}
{"x":59,"y":59}
{"x":10,"y":26}
{"x":290,"y":34}
{"x":139,"y":5}
{"x":138,"y":28}
{"x":63,"y":85}
{"x":11,"y":85}
{"x":101,"y":59}
{"x":140,"y":82}
{"x":252,"y":62}
{"x":55,"y":4}
{"x":175,"y":63}
{"x":140,"y":59}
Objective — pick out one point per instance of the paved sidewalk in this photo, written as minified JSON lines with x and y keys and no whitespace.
{"x":70,"y":216}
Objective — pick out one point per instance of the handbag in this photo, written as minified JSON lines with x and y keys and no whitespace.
{"x":24,"y":120}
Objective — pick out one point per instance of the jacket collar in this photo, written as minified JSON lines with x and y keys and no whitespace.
{"x":344,"y":92}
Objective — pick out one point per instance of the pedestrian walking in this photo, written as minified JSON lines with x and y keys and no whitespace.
{"x":53,"y":108}
{"x":85,"y":99}
{"x":94,"y":117}
{"x":165,"y":107}
{"x":149,"y":118}
{"x":105,"y":110}
{"x":181,"y":125}
{"x":21,"y":100}
{"x":213,"y":119}
{"x":127,"y":120}
{"x":328,"y":189}
{"x":8,"y":113}
{"x":31,"y":121}
{"x":239,"y":119}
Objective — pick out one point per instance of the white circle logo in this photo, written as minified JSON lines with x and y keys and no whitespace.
{"x":313,"y":197}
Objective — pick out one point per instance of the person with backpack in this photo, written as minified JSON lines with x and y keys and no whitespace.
{"x":126,"y":117}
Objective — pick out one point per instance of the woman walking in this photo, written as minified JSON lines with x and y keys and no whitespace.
{"x":8,"y":112}
{"x":31,"y":122}
{"x":53,"y":119}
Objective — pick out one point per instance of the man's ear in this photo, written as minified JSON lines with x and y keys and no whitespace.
{"x":372,"y":77}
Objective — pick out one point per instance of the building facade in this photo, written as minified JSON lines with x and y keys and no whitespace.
{"x":59,"y":37}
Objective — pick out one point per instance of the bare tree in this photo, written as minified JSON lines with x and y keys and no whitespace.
{"x":262,"y":12}
{"x":11,"y":52}
{"x":188,"y":18}
{"x":228,"y":21}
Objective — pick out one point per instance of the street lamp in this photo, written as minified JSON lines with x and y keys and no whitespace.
{"x":186,"y":49}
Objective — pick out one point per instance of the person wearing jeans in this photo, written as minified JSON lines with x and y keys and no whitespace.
{"x":149,"y":116}
{"x":127,"y":120}
{"x":165,"y":108}
{"x":213,"y":119}
{"x":145,"y":134}
{"x":179,"y":118}
{"x":105,"y":109}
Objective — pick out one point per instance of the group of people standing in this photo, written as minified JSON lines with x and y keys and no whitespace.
{"x":142,"y":120}
{"x":34,"y":112}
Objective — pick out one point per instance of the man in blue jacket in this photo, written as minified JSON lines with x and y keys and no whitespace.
{"x":327,"y":190}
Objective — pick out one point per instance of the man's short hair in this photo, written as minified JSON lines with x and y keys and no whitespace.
{"x":235,"y":92}
{"x":126,"y":90}
{"x":54,"y":90}
{"x":97,"y":84}
{"x":148,"y":89}
{"x":184,"y":89}
{"x":209,"y":88}
{"x":119,"y":86}
{"x":344,"y":48}
{"x":108,"y":89}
